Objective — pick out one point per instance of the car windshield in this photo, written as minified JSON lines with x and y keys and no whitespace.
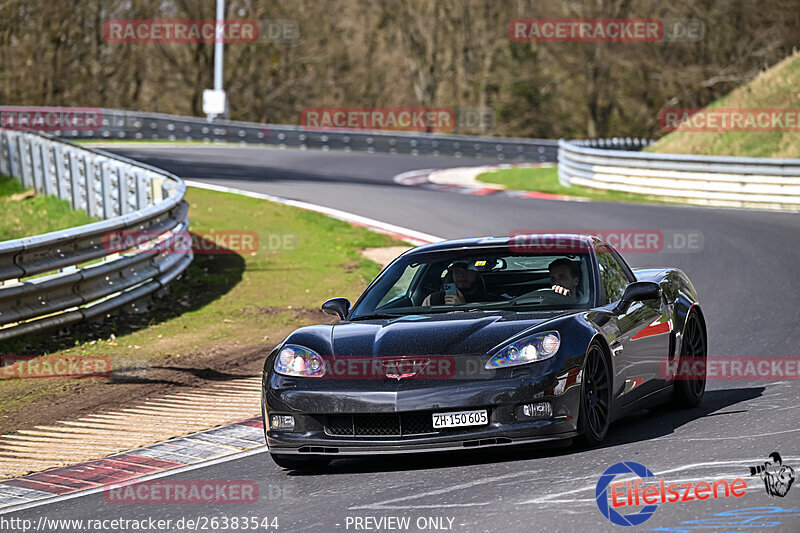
{"x":466,"y":280}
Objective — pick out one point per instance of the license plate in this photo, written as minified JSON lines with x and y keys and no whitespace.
{"x":460,"y":419}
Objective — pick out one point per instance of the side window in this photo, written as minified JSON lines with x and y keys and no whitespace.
{"x":401,"y":287}
{"x":612,"y":274}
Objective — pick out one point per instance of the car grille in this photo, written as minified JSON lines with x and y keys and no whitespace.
{"x":380,"y":425}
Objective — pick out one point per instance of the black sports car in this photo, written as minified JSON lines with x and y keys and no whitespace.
{"x":485,"y":342}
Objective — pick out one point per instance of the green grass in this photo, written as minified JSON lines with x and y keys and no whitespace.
{"x":778,"y":87}
{"x":35,"y":215}
{"x":223,"y":300}
{"x":545,"y":179}
{"x":232,"y":297}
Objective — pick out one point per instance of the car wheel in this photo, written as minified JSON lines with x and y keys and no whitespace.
{"x":595,"y":414}
{"x":291,"y":462}
{"x":689,"y":389}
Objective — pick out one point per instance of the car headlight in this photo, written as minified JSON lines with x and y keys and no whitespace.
{"x":528,"y":350}
{"x":298,"y":361}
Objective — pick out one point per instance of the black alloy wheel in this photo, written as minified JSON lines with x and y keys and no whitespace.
{"x":595,"y":416}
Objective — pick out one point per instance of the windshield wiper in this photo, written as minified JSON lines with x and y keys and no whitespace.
{"x":527,"y":302}
{"x":377,"y":316}
{"x":441,"y":311}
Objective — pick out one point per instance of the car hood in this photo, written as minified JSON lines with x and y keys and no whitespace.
{"x":445,"y":334}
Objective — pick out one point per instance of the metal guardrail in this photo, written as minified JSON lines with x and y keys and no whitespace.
{"x":62,"y":277}
{"x":66,"y":276}
{"x":707,"y":180}
{"x":134,"y":125}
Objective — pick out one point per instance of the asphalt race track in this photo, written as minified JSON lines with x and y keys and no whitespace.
{"x":745,"y":273}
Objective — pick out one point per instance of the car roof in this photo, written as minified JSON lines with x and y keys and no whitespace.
{"x":590,"y":241}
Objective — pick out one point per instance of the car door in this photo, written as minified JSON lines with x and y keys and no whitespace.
{"x":642,"y":336}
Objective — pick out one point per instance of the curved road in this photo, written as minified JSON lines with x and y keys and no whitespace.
{"x":746,"y":276}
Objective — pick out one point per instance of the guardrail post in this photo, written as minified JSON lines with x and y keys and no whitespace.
{"x":24,"y":155}
{"x":105,"y":176}
{"x":73,"y":180}
{"x":89,"y":175}
{"x":13,"y":157}
{"x":44,"y":154}
{"x":36,"y":166}
{"x":122,"y":187}
{"x":156,"y":190}
{"x":5,"y":155}
{"x":58,"y":166}
{"x":141,"y":192}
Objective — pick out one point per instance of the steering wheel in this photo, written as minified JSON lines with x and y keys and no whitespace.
{"x":548,"y":293}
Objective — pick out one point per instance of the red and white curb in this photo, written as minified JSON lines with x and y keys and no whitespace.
{"x":179,"y":454}
{"x":166,"y":456}
{"x":463,"y":181}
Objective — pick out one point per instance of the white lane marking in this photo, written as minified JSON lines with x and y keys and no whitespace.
{"x":413,"y":235}
{"x":717,"y":463}
{"x":417,"y":506}
{"x":417,"y":176}
{"x":87,"y":492}
{"x":737,"y":437}
{"x":444,"y":490}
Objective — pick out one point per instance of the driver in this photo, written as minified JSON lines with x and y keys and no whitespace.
{"x":469,"y":287}
{"x":565,"y":276}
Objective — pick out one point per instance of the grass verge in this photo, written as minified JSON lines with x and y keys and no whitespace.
{"x":775,"y":88}
{"x":545,"y":179}
{"x":223,"y":302}
{"x":25,"y":214}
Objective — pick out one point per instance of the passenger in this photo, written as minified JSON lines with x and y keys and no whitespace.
{"x":470,"y":288}
{"x":565,"y":276}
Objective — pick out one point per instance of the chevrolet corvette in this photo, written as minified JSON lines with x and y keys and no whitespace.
{"x":484,"y":342}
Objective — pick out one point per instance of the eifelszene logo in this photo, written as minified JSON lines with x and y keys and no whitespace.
{"x":601,"y":494}
{"x":649,"y":491}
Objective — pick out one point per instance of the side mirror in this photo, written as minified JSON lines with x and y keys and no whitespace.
{"x":636,"y":292}
{"x":337,"y":307}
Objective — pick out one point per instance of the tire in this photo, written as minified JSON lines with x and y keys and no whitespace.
{"x":291,"y":462}
{"x":595,"y":412}
{"x":689,"y":391}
